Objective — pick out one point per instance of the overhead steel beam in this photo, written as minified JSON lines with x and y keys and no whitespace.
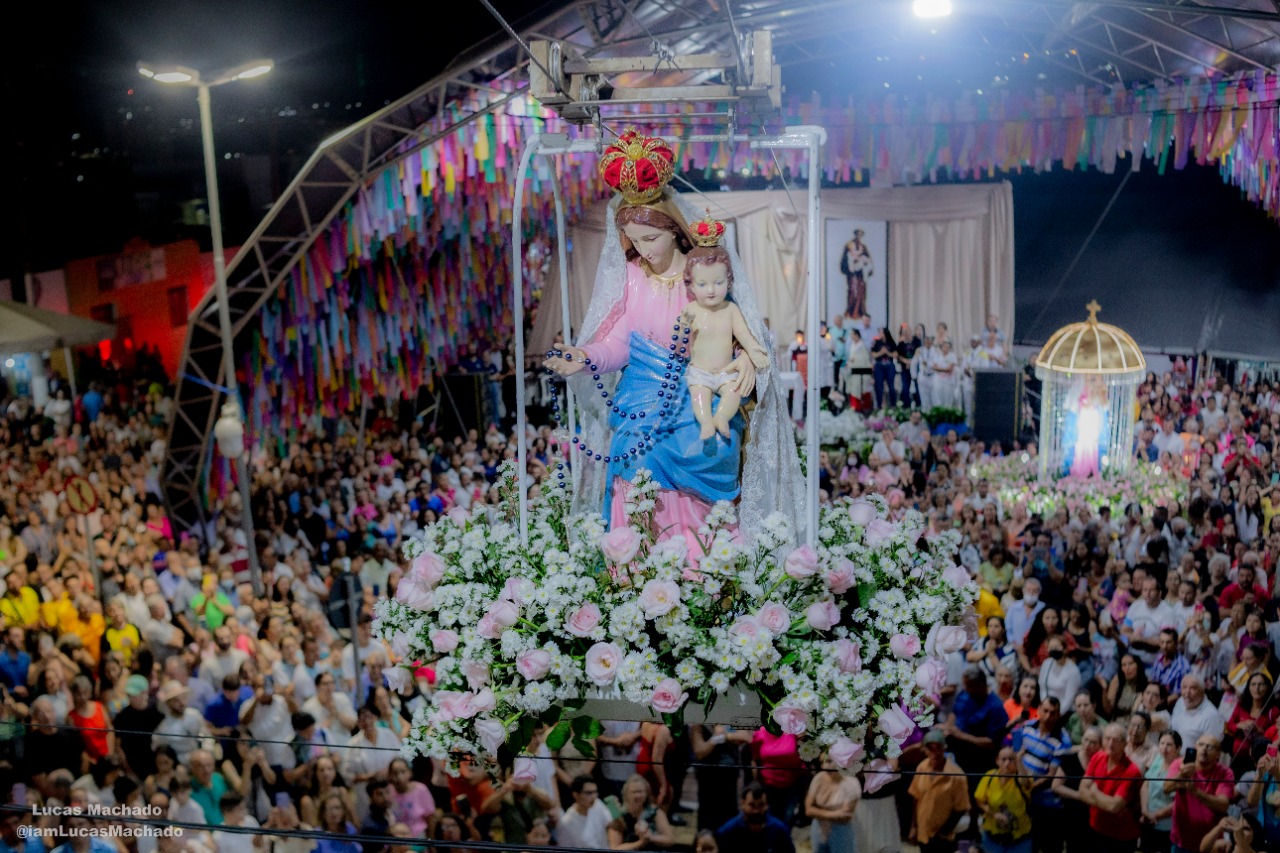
{"x":1157,"y":6}
{"x":1225,"y":48}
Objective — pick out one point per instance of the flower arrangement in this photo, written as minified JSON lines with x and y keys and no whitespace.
{"x":846,"y":431}
{"x":1016,"y":479}
{"x":842,"y":643}
{"x":949,"y":415}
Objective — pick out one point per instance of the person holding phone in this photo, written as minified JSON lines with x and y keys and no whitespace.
{"x":1235,"y":833}
{"x":1202,"y":789}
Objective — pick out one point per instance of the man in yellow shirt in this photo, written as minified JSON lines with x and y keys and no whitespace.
{"x":89,"y":626}
{"x":20,"y":605}
{"x":986,"y":607}
{"x":122,"y":636}
{"x":59,"y":611}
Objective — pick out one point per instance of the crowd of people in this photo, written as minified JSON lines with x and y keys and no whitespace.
{"x":1121,"y":693}
{"x":868,"y":368}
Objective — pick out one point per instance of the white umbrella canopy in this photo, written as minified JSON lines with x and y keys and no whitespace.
{"x":27,"y":329}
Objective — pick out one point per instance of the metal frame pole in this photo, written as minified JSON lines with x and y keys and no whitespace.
{"x":224,"y":323}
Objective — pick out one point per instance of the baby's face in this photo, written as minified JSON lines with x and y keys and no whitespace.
{"x":709,"y":284}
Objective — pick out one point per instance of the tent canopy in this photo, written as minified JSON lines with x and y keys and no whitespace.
{"x":27,"y":329}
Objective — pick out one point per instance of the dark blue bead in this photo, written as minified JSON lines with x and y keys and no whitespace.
{"x":607,"y":459}
{"x":666,"y":375}
{"x":675,"y":337}
{"x":596,"y":376}
{"x":599,"y":385}
{"x":642,"y":414}
{"x":603,"y":394}
{"x":633,"y":416}
{"x":684,"y":341}
{"x":676,"y":327}
{"x":662,"y":393}
{"x":597,"y":457}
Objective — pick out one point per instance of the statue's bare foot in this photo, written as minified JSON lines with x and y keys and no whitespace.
{"x":722,"y":426}
{"x":708,"y":430}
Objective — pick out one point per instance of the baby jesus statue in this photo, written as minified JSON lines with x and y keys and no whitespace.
{"x":714,"y":323}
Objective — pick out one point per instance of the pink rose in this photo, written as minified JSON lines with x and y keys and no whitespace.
{"x":822,"y":615}
{"x":841,"y":577}
{"x":477,"y":674}
{"x":484,"y":700}
{"x":427,"y":568}
{"x":658,"y":598}
{"x":801,"y":563}
{"x":862,"y":513}
{"x":844,"y":753}
{"x":524,"y":771}
{"x":945,"y":639}
{"x":746,"y":626}
{"x":790,"y":719}
{"x":533,"y":663}
{"x":877,"y":774}
{"x":517,"y":591}
{"x":896,"y":724}
{"x":956,"y":576}
{"x":931,"y":676}
{"x":583,"y":621}
{"x":603,"y":661}
{"x":668,"y":696}
{"x":451,"y":705}
{"x":504,"y":613}
{"x":878,"y":533}
{"x":491,"y":734}
{"x":775,"y":618}
{"x":443,"y":640}
{"x":400,"y":644}
{"x":413,"y":593}
{"x":620,"y":545}
{"x":905,"y":646}
{"x":848,"y":654}
{"x":488,"y":627}
{"x":459,"y":516}
{"x":397,"y":678}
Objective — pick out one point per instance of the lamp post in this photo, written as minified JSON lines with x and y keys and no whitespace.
{"x":230,"y":428}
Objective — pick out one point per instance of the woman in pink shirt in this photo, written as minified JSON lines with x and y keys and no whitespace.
{"x":410,"y":800}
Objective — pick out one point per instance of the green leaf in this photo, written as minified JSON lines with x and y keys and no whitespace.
{"x":559,"y":736}
{"x":574,"y":704}
{"x":587,"y":727}
{"x":586,"y":747}
{"x":551,"y":716}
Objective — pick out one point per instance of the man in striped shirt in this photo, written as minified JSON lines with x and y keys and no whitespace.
{"x":1170,"y":665}
{"x":1041,"y":744}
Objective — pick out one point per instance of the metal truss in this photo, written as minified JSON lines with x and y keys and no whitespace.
{"x":1105,"y":42}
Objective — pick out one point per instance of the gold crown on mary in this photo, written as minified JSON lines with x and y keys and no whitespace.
{"x":707,"y":232}
{"x":638,"y":167}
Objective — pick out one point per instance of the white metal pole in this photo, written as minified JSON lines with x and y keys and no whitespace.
{"x":517,"y":314}
{"x":562,"y":254}
{"x":815,"y":343}
{"x":224,"y":322}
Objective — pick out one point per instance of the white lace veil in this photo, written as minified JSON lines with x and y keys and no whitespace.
{"x":771,"y":478}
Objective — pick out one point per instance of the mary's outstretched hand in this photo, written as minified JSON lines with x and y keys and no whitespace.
{"x":568,"y":363}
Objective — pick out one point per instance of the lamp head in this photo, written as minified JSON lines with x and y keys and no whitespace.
{"x":931,"y":8}
{"x":169,"y":73}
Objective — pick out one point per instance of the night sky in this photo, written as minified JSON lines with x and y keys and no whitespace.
{"x":99,"y":154}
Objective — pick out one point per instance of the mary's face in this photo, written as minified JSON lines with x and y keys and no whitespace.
{"x":655,"y":245}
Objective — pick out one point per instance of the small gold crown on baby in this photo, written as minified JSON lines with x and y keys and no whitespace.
{"x":707,"y":232}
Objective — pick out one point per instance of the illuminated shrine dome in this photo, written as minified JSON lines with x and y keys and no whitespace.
{"x":1091,"y":347}
{"x":1091,"y":372}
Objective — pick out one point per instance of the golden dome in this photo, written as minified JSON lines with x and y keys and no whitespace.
{"x":1091,"y":347}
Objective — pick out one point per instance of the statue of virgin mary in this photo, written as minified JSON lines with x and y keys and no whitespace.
{"x":628,"y":370}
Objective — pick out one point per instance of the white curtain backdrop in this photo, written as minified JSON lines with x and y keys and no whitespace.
{"x":950,"y":254}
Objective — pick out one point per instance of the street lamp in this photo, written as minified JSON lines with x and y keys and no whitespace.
{"x":180,"y":75}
